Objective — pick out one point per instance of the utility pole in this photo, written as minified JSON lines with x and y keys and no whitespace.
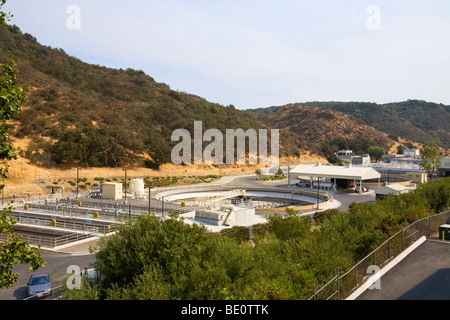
{"x":289,"y":176}
{"x":162,"y":211}
{"x":318,"y":187}
{"x":125,"y":184}
{"x":149,"y":198}
{"x":78,"y":170}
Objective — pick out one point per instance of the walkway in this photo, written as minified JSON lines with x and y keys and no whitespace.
{"x":423,"y":275}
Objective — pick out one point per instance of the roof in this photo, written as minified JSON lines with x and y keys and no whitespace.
{"x":339,"y":172}
{"x":445,"y":163}
{"x":393,"y":189}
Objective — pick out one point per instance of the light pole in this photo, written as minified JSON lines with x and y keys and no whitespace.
{"x":149,"y":198}
{"x":318,"y":187}
{"x":78,"y":171}
{"x":125,"y":184}
{"x":289,"y":176}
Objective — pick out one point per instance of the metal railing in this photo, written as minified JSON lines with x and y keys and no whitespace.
{"x":47,"y":241}
{"x":83,"y":227}
{"x":341,"y":286}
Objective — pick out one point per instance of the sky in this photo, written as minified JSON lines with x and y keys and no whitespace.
{"x":259,"y":53}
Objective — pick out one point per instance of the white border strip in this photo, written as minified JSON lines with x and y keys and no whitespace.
{"x":388,"y":267}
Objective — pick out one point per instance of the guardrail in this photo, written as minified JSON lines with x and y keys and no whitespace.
{"x":342,"y":285}
{"x":49,"y":242}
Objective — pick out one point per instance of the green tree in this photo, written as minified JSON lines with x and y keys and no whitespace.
{"x":376,"y":152}
{"x":13,"y":250}
{"x":431,"y":158}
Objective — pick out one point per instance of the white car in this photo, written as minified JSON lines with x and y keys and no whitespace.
{"x":358,"y":189}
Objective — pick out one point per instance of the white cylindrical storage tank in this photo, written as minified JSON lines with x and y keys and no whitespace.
{"x":137,"y":187}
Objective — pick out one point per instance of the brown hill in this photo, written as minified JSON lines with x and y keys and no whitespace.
{"x":321,"y":127}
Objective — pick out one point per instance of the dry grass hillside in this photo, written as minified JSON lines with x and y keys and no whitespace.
{"x":321,"y":126}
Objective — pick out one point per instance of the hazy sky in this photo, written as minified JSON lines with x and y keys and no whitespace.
{"x":259,"y":53}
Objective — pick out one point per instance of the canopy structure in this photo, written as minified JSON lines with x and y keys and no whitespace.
{"x":339,"y":172}
{"x":341,"y":175}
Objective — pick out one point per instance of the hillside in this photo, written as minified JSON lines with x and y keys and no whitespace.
{"x":414,"y":120}
{"x":83,"y":115}
{"x":79,"y":114}
{"x":325,"y":130}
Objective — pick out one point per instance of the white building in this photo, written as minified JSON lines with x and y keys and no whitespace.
{"x":392,"y":189}
{"x":340,"y":176}
{"x":411,"y":153}
{"x":347,"y":155}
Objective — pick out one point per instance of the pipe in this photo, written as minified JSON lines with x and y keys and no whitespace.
{"x":230,"y":215}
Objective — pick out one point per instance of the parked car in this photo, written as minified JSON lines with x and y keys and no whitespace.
{"x":303,"y":184}
{"x":39,"y":285}
{"x":358,"y":188}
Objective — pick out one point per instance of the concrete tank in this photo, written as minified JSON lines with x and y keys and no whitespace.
{"x":137,"y":187}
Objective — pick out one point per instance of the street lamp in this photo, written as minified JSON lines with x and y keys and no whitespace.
{"x":289,"y":176}
{"x":318,"y":187}
{"x":78,"y":171}
{"x":125,"y":184}
{"x":149,"y":198}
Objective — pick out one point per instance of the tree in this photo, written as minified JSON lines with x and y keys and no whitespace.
{"x":279,"y":172}
{"x":13,"y":250}
{"x":376,"y":152}
{"x":431,"y":158}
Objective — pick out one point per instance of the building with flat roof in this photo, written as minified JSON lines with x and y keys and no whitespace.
{"x":347,"y":155}
{"x":444,"y":169}
{"x":392,"y":189}
{"x":342,"y":177}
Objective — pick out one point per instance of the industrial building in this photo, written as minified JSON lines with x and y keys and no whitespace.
{"x":409,"y":156}
{"x":341,"y":177}
{"x":444,"y":169}
{"x":392,"y":189}
{"x":347,"y":155}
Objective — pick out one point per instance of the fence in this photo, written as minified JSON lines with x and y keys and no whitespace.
{"x":48,"y":242}
{"x":341,"y":286}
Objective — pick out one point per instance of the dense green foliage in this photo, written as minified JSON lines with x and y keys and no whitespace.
{"x":153,"y":259}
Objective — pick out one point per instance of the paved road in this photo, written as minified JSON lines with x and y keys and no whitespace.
{"x":57,"y":264}
{"x":422,"y":275}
